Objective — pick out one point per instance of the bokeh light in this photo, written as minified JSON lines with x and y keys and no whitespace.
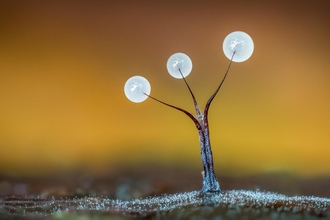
{"x":63,"y":65}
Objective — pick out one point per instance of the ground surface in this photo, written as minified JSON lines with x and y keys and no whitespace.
{"x":117,"y":195}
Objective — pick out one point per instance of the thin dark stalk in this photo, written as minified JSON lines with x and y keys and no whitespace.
{"x":180,"y":109}
{"x":192,"y":95}
{"x":207,"y":106}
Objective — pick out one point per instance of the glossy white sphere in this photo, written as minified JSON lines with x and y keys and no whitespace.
{"x":179,"y":61}
{"x":240,"y":43}
{"x":135,"y":87}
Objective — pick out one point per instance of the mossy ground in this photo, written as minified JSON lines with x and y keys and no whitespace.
{"x":117,"y":195}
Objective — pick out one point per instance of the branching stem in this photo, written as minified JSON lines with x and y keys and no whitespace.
{"x":210,"y":182}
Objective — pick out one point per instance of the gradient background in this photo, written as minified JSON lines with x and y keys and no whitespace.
{"x":63,"y":65}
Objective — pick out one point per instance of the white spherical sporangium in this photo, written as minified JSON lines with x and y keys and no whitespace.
{"x":179,"y":61}
{"x":240,"y":43}
{"x":136,"y":89}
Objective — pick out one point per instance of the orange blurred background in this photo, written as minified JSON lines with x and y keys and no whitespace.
{"x":63,"y":65}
